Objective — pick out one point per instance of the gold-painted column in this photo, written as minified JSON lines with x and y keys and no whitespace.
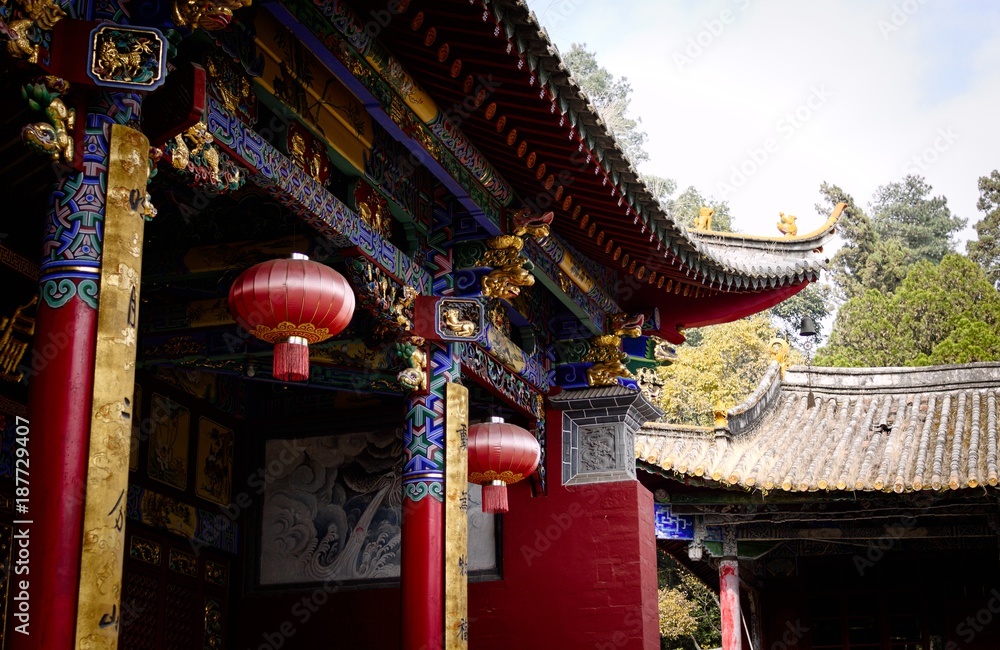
{"x":114,"y":379}
{"x":456,"y":507}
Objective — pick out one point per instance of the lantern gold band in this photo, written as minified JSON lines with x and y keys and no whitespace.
{"x":296,"y":340}
{"x":286,"y":331}
{"x":496,"y":483}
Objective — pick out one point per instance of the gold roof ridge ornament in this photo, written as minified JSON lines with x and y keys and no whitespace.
{"x":786,"y":224}
{"x":704,"y":219}
{"x":210,"y":15}
{"x":827,"y":226}
{"x":778,"y":349}
{"x":720,"y":414}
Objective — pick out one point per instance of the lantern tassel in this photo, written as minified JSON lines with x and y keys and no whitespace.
{"x":495,"y":497}
{"x":291,"y":360}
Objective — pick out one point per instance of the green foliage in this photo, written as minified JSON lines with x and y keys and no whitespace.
{"x":610,"y":95}
{"x":725,"y":366}
{"x":942,"y":313}
{"x":985,"y":251}
{"x":923,"y":224}
{"x":689,"y":611}
{"x":906,"y":226}
{"x":686,"y":207}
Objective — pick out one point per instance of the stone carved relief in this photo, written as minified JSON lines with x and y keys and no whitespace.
{"x":597,"y":449}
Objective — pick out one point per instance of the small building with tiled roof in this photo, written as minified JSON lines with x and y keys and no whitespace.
{"x":855,"y":503}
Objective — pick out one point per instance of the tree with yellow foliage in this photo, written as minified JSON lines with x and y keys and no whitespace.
{"x":722,"y":364}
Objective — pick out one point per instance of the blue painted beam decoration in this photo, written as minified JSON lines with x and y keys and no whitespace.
{"x":671,"y":526}
{"x":293,"y":187}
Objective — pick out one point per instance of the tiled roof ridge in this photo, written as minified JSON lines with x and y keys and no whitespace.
{"x":747,"y":414}
{"x":924,"y":379}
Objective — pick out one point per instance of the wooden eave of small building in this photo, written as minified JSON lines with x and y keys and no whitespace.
{"x":898,"y":430}
{"x":551,"y":112}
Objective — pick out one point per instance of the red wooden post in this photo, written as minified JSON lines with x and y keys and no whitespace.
{"x":729,"y":600}
{"x":59,"y":413}
{"x":422,"y":545}
{"x":61,"y":375}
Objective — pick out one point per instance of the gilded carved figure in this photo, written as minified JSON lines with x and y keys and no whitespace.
{"x":54,"y":136}
{"x":704,"y":219}
{"x":786,"y":224}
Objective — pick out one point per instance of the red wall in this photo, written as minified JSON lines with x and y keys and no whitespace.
{"x":579,"y":568}
{"x":579,"y":571}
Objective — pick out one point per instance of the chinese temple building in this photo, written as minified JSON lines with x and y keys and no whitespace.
{"x":841,"y":508}
{"x":211,"y":441}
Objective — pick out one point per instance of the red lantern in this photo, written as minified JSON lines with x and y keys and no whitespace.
{"x":499,"y":454}
{"x":291,"y":303}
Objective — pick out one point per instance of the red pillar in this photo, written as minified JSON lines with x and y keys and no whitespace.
{"x":422,"y":544}
{"x":59,"y":410}
{"x":422,"y":566}
{"x":61,"y":376}
{"x":729,"y":604}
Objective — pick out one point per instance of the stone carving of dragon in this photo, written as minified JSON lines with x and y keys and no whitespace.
{"x":333,"y":557}
{"x":52,"y":137}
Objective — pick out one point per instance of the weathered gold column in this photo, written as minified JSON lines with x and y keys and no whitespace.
{"x":114,"y":378}
{"x":456,"y":507}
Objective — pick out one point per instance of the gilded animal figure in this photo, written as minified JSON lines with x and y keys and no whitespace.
{"x":704,"y":219}
{"x":787,"y":224}
{"x":453,"y":321}
{"x":524,"y":222}
{"x":41,"y":14}
{"x":415,"y":376}
{"x":606,"y":355}
{"x":52,"y":137}
{"x":630,"y":327}
{"x":128,"y":64}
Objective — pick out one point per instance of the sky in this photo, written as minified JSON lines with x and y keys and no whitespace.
{"x":759,"y":101}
